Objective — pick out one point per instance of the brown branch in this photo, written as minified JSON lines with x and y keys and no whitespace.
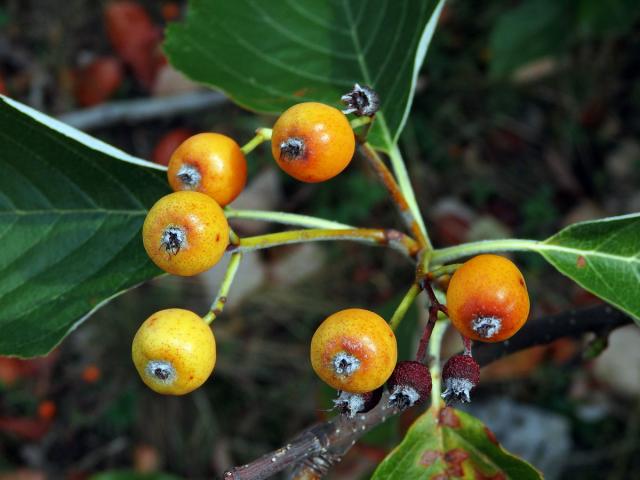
{"x":319,"y":447}
{"x":389,"y":181}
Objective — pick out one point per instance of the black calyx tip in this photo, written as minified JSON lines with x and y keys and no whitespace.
{"x":173,"y":240}
{"x":460,"y":375}
{"x":292,"y":148}
{"x":362,"y":101}
{"x":350,"y":404}
{"x":409,"y":384}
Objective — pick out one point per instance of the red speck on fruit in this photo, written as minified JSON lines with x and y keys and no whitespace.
{"x":448,"y":418}
{"x":454,"y":459}
{"x":429,"y":457}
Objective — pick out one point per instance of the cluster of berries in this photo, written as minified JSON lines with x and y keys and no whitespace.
{"x":353,"y":350}
{"x":186,"y":232}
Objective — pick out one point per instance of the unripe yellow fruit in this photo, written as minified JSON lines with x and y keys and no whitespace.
{"x":174,"y":351}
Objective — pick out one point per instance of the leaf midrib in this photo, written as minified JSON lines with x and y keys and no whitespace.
{"x":541,"y":247}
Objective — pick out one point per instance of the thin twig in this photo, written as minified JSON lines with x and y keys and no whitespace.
{"x":142,"y":109}
{"x":389,"y":182}
{"x":324,"y":444}
{"x":386,"y":238}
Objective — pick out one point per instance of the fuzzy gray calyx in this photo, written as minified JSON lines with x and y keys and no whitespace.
{"x":457,"y":390}
{"x":486,"y":326}
{"x":362,"y":100}
{"x":162,"y":371}
{"x":345,"y":364}
{"x":173,"y":239}
{"x":292,"y":148}
{"x":403,"y":396}
{"x":189,"y":176}
{"x":349,"y":404}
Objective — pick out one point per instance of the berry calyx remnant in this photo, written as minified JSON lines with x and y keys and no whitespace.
{"x":185,"y":233}
{"x":312,"y":142}
{"x":350,"y":404}
{"x":409,"y":384}
{"x":487,"y":299}
{"x":460,"y":375}
{"x":362,"y":100}
{"x":174,"y":351}
{"x":209,"y":163}
{"x":354,"y":350}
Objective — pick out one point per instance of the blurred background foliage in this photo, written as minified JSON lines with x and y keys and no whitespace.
{"x":526,"y":119}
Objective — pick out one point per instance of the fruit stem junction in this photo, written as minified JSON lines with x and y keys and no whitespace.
{"x":262,"y":135}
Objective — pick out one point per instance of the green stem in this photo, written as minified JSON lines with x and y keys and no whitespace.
{"x":404,"y":305}
{"x":434,"y":353}
{"x":449,"y":254}
{"x":391,"y":238}
{"x":262,"y":135}
{"x":444,"y":270}
{"x":402,"y":176}
{"x":221,"y":299}
{"x":360,"y":121}
{"x":306,"y":221}
{"x":396,"y":195}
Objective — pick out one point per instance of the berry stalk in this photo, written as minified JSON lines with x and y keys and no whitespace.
{"x":262,"y":135}
{"x":396,"y":194}
{"x":221,"y":298}
{"x":404,"y":305}
{"x":294,"y":219}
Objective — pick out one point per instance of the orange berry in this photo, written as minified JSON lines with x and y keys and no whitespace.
{"x":209,"y":163}
{"x":312,"y":142}
{"x":185,"y":233}
{"x":354,"y":350}
{"x":487,"y":299}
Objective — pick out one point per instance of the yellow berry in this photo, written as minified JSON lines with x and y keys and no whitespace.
{"x":174,"y":351}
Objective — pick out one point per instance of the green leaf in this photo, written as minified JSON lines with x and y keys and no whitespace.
{"x":603,"y":256}
{"x":268,"y":56}
{"x":447,"y":443}
{"x":71,"y":208}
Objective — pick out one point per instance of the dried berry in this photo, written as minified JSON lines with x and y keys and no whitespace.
{"x":460,"y":375}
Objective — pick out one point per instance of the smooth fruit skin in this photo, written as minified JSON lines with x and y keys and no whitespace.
{"x":179,"y":347}
{"x":354,"y":334}
{"x":204,"y":226}
{"x":218,"y":162}
{"x":327,"y":136}
{"x":488,"y":287}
